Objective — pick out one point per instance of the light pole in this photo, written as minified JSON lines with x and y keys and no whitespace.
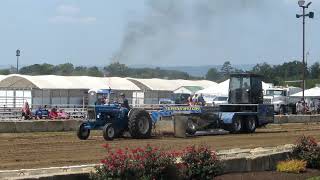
{"x":304,"y":15}
{"x":18,"y":55}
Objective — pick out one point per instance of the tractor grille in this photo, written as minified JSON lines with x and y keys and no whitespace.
{"x":91,"y":114}
{"x":266,"y":101}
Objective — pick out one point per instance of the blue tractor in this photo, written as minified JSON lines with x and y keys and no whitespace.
{"x":113,"y":119}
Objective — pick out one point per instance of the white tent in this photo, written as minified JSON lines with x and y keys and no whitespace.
{"x":67,"y":82}
{"x":220,"y":89}
{"x":171,"y":85}
{"x":187,"y":89}
{"x":311,"y":93}
{"x":2,"y":77}
{"x":211,"y":92}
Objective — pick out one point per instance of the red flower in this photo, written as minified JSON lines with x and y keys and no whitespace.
{"x":119,"y":152}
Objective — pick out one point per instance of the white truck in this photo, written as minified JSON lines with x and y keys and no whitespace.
{"x":280,"y":98}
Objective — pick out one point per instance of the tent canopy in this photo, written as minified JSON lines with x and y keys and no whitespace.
{"x":67,"y":82}
{"x":220,"y":89}
{"x":171,"y":85}
{"x":313,"y":92}
{"x":188,"y":89}
{"x":2,"y":77}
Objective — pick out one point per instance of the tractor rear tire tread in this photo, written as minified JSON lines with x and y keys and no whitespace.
{"x":135,"y":116}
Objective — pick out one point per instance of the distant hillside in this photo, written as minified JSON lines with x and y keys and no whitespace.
{"x":199,"y":71}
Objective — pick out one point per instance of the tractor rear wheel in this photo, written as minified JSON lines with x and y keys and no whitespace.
{"x":236,"y":125}
{"x":109,"y":132}
{"x":140,"y":124}
{"x":82,"y":132}
{"x":250,"y":124}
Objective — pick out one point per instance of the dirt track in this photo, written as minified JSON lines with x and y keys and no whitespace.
{"x":34,"y":150}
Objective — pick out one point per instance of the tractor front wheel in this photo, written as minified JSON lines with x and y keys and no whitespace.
{"x":82,"y":132}
{"x":109,"y":132}
{"x":140,"y":124}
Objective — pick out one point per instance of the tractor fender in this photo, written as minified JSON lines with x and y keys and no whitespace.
{"x":130,"y":111}
{"x":155,"y":116}
{"x":227,"y":117}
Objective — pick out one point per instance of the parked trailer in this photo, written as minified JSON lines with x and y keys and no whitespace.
{"x":244,"y":112}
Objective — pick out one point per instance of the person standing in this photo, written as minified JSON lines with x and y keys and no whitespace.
{"x":124,"y":101}
{"x":26,"y":113}
{"x":195,"y":99}
{"x":201,"y":100}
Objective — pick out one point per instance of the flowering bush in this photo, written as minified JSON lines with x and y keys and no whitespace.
{"x":151,"y":163}
{"x":307,"y":149}
{"x":139,"y":163}
{"x":292,"y":166}
{"x":200,"y":163}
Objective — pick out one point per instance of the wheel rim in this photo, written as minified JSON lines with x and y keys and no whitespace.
{"x":191,"y":125}
{"x":110,"y":132}
{"x":252,"y":123}
{"x":237,"y":124}
{"x":143,"y":125}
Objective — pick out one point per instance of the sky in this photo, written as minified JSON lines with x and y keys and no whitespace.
{"x":156,"y":32}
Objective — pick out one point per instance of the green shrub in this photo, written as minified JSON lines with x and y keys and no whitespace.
{"x":200,"y":163}
{"x":292,"y":166}
{"x":308,"y":150}
{"x":314,"y":178}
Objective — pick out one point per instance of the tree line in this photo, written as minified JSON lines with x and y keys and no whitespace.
{"x":276,"y":74}
{"x":288,"y":73}
{"x":114,"y":69}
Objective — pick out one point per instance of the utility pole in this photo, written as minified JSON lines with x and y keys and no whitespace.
{"x":304,"y":15}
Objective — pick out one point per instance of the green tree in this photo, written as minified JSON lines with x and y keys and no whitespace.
{"x":38,"y":69}
{"x":265,"y":70}
{"x":80,"y":71}
{"x":64,"y":69}
{"x":213,"y":75}
{"x":94,"y":71}
{"x":315,"y":71}
{"x":117,"y":69}
{"x":226,"y":69}
{"x":5,"y":71}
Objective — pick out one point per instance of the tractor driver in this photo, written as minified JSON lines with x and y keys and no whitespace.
{"x":124,"y":101}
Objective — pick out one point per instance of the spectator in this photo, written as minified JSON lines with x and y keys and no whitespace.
{"x":312,"y":106}
{"x":53,"y":113}
{"x":318,"y":105}
{"x":63,"y":115}
{"x":299,"y":107}
{"x":26,"y":113}
{"x":190,"y":100}
{"x":195,"y":99}
{"x":201,"y":100}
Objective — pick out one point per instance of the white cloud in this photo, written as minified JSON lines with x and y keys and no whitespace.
{"x":71,"y":19}
{"x":68,"y":10}
{"x":67,"y":14}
